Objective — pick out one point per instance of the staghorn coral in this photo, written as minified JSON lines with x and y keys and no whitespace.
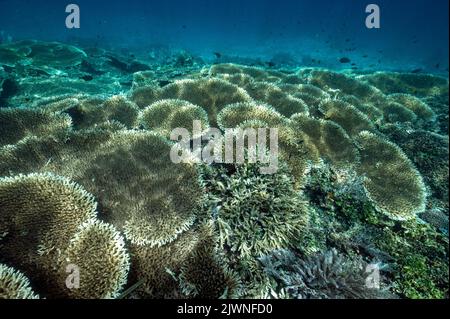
{"x":391,"y":180}
{"x":19,"y":123}
{"x":328,"y":138}
{"x":347,"y":116}
{"x":235,"y":114}
{"x":205,"y":274}
{"x":284,"y":103}
{"x":14,"y":284}
{"x":98,"y":250}
{"x":45,"y":154}
{"x":210,"y":94}
{"x":327,"y":275}
{"x":255,"y":213}
{"x":165,"y":115}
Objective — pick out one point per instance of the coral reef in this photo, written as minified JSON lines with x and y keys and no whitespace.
{"x":86,"y":177}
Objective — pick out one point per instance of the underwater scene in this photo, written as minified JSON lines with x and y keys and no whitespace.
{"x":206,"y":149}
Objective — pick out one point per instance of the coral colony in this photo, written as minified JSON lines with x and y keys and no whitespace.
{"x":122,"y":177}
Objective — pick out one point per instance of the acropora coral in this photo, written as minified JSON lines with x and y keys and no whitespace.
{"x":86,"y":179}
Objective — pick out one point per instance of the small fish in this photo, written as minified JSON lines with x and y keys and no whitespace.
{"x":416,"y":70}
{"x":217,"y":54}
{"x":270,"y":64}
{"x":437,"y":65}
{"x":344,"y":60}
{"x":365,"y":56}
{"x":87,"y":78}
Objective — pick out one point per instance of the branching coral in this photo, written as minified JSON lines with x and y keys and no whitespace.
{"x":14,"y":284}
{"x":255,"y":213}
{"x":165,"y":115}
{"x":19,"y":123}
{"x":391,"y":180}
{"x":92,"y":111}
{"x":210,"y":94}
{"x":98,"y":250}
{"x":429,"y":152}
{"x":327,"y":275}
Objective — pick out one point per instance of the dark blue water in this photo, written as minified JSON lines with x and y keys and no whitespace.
{"x":413,"y":34}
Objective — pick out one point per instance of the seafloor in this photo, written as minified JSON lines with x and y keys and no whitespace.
{"x":358,"y":208}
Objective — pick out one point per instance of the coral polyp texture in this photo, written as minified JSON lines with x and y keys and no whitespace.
{"x":166,"y":115}
{"x":88,"y":184}
{"x":14,"y":284}
{"x":210,"y":94}
{"x":391,"y":180}
{"x":98,"y":250}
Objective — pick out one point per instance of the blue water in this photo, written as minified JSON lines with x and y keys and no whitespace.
{"x":413,"y":34}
